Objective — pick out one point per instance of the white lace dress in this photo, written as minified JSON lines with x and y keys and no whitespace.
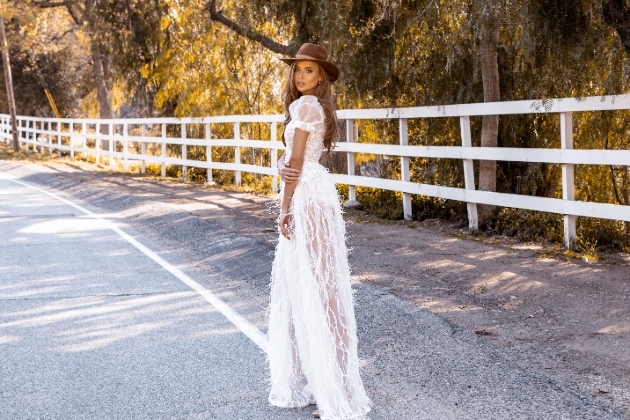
{"x":312,"y":328}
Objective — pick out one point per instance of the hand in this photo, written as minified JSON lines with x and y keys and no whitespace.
{"x":287,"y":174}
{"x":285,"y":222}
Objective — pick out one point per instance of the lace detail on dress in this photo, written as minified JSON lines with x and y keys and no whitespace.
{"x":312,"y":327}
{"x":307,"y":114}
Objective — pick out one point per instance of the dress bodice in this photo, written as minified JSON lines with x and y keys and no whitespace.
{"x":306,"y":114}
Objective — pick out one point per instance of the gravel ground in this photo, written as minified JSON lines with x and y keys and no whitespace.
{"x":421,"y":293}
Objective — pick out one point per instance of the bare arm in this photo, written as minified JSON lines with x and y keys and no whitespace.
{"x":296,"y":162}
{"x":286,"y":172}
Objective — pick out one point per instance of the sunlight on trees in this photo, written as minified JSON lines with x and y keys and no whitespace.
{"x":200,"y":57}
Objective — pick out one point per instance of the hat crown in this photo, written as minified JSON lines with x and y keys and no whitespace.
{"x":314,"y":51}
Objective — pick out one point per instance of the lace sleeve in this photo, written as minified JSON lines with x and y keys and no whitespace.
{"x":308,"y":113}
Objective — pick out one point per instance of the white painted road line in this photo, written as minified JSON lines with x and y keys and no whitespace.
{"x":241,"y":323}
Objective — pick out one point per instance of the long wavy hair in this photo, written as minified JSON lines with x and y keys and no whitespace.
{"x":325,"y":98}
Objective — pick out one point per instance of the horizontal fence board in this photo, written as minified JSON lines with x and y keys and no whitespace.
{"x":557,"y":105}
{"x":572,"y":156}
{"x":260,"y":144}
{"x":525,"y":202}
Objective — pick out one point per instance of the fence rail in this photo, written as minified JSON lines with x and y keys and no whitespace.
{"x":59,"y":134}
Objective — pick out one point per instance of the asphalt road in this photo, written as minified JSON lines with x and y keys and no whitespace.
{"x":92,"y":327}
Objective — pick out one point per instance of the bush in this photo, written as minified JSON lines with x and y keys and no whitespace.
{"x":533,"y":226}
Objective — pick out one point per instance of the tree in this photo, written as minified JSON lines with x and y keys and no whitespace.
{"x":83,"y":12}
{"x":9,"y":82}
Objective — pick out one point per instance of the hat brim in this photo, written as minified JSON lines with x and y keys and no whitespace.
{"x":332,"y":69}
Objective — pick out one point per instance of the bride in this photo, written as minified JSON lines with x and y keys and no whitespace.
{"x":312,"y":328}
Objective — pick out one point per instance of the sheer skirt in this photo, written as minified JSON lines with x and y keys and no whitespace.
{"x":312,"y":328}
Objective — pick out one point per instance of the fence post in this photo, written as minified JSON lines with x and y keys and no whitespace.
{"x":59,"y":131}
{"x":144,"y":148}
{"x":97,"y":146}
{"x":21,"y":134}
{"x":469,"y":173}
{"x":111,"y":144}
{"x":352,"y":190}
{"x":49,"y":136}
{"x":34,"y":135}
{"x":84,"y":143}
{"x":209,"y":180}
{"x":71,"y":139}
{"x":568,"y":177}
{"x":33,"y":128}
{"x":35,"y":149}
{"x":184,"y":152}
{"x":404,"y":167}
{"x":44,"y":136}
{"x":31,"y":133}
{"x":35,"y":144}
{"x":125,"y":146}
{"x":274,"y":156}
{"x":163,"y":149}
{"x":237,"y":152}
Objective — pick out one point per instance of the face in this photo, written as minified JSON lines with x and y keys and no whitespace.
{"x":306,"y":76}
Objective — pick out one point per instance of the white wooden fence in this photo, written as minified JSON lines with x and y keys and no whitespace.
{"x":49,"y":133}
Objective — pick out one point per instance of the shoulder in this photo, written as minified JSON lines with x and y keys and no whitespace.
{"x":306,"y":101}
{"x":306,"y":104}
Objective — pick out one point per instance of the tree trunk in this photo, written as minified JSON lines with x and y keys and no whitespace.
{"x":626,"y":184}
{"x":488,"y":46}
{"x":102,"y":91}
{"x":9,"y":82}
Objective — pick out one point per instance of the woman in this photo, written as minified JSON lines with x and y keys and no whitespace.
{"x":312,"y":329}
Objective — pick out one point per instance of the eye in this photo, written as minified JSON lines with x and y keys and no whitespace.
{"x":309,"y":71}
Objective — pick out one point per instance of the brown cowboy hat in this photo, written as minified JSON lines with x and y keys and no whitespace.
{"x":312,"y":52}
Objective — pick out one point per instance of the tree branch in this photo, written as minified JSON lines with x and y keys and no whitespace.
{"x":613,"y":178}
{"x":47,"y":4}
{"x":614,"y":182}
{"x":619,"y":19}
{"x":270,"y":44}
{"x":67,"y":4}
{"x":417,"y":18}
{"x":60,"y":37}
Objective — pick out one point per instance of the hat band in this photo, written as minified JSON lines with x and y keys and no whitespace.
{"x":307,"y":57}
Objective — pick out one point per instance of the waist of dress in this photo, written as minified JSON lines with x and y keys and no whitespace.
{"x":313,"y":165}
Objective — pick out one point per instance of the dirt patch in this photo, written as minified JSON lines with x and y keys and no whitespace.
{"x":565,"y":317}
